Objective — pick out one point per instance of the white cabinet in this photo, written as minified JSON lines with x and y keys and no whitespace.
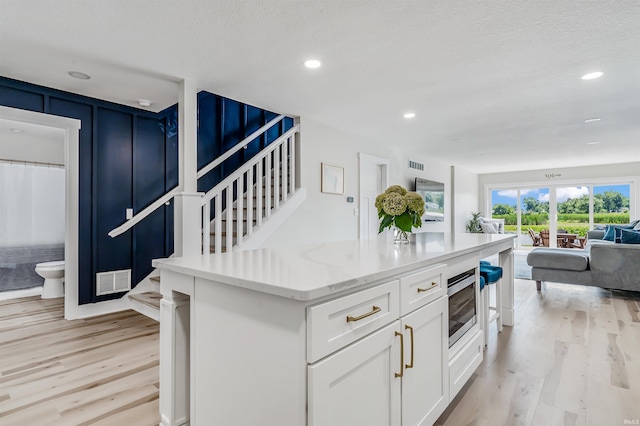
{"x":422,"y":287}
{"x":397,"y":375}
{"x":334,"y":324}
{"x":425,"y":383}
{"x":465,"y":362}
{"x":357,"y":385}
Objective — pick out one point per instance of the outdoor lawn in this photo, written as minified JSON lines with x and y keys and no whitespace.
{"x":576,"y":223}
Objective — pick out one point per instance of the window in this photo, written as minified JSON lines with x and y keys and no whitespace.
{"x":575,"y":208}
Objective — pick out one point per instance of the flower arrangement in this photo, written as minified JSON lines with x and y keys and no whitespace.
{"x":400,"y":208}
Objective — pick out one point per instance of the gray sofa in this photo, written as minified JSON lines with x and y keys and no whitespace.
{"x":602,"y":264}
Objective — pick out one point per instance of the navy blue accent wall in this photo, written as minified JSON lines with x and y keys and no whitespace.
{"x":210,"y":135}
{"x":112,"y":188}
{"x":129,"y":158}
{"x":170,"y":130}
{"x":148,"y":186}
{"x":222,"y":124}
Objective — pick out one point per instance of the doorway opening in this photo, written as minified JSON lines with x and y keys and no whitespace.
{"x":373,"y":180}
{"x":69,"y":129}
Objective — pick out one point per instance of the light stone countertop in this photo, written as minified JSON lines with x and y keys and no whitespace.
{"x":312,"y":271}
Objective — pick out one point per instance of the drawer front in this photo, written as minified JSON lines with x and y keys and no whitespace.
{"x":418,"y":289}
{"x":336,"y":323}
{"x":464,"y":363}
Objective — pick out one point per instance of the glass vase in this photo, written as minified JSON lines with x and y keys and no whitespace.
{"x":400,"y":236}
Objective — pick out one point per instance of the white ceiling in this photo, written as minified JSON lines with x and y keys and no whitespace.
{"x":503,"y":78}
{"x":20,"y":141}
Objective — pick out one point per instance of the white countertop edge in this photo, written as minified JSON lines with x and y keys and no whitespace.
{"x":327,"y":289}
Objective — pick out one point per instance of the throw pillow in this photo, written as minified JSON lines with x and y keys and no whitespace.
{"x":489,"y":228}
{"x":637,"y":227}
{"x":612,"y":232}
{"x":628,"y":236}
{"x":609,"y":233}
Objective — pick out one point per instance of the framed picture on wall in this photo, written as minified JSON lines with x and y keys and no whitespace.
{"x":332,"y":179}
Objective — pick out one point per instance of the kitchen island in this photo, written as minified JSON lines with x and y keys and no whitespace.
{"x":350,"y":332}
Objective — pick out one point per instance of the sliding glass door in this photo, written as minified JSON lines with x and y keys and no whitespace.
{"x":611,"y":205}
{"x":524,"y":210}
{"x":561,"y":215}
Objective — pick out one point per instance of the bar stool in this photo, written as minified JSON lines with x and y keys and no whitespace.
{"x":490,"y":275}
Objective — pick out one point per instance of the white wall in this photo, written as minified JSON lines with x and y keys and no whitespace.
{"x":466,"y":198}
{"x":329,"y":217}
{"x":624,"y":172}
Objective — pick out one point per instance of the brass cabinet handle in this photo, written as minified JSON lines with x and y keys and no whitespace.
{"x":401,"y":373}
{"x":374,"y":310}
{"x":427,"y":289}
{"x":408,"y":327}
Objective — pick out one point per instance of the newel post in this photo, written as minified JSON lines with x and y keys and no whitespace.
{"x":187,"y":208}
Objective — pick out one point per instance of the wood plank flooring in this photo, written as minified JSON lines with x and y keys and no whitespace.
{"x":573,"y":358}
{"x":98,"y":371}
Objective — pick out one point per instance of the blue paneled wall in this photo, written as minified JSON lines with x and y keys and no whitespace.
{"x":223,"y":123}
{"x":128,"y":158}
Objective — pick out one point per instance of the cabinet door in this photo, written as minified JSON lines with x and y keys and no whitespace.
{"x":425,"y":385}
{"x":358,"y":385}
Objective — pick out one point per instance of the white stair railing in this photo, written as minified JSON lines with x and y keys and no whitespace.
{"x":138,"y":217}
{"x":269,"y":178}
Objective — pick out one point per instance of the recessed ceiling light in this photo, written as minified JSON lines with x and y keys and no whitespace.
{"x":592,"y":120}
{"x":144,"y":103}
{"x":312,"y":63}
{"x":409,"y":115}
{"x":593,"y":143}
{"x":592,"y":75}
{"x":17,"y":130}
{"x":456,"y":140}
{"x":79,"y":75}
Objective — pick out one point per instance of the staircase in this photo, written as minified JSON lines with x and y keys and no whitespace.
{"x":243,"y":222}
{"x":267,"y":182}
{"x":147,"y":302}
{"x":242,"y":211}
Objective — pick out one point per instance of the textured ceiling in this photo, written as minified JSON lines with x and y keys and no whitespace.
{"x":495,"y":85}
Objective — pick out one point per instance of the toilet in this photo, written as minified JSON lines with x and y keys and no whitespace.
{"x":53,"y":274}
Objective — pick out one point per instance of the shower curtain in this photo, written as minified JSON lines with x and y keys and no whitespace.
{"x":32,"y":221}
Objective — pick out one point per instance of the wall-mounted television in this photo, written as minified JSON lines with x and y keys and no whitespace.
{"x":433,"y":194}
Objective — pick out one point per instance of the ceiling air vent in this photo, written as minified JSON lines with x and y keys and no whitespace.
{"x":113,"y":282}
{"x":416,"y":165}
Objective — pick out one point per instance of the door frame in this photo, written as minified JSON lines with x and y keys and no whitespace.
{"x":368,"y":159}
{"x":71,"y":128}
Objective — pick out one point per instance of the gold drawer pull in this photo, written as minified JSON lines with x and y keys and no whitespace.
{"x":375,"y":310}
{"x":401,"y":373}
{"x":427,"y":289}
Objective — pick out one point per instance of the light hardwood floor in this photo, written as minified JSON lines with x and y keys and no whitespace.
{"x":98,"y":371}
{"x":573,"y":358}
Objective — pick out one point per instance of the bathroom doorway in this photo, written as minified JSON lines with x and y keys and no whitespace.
{"x":32,"y":210}
{"x":66,"y":130}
